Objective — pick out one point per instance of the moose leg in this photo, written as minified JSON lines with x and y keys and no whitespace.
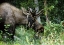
{"x":9,"y":29}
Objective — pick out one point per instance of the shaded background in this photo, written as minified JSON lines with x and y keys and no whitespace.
{"x":56,"y":14}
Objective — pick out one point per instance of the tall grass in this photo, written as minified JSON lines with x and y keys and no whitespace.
{"x":53,"y":35}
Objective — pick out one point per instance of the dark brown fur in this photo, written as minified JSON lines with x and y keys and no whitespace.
{"x":33,"y":23}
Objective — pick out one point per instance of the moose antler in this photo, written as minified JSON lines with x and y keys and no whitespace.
{"x":29,"y":9}
{"x":33,"y":12}
{"x":25,"y":11}
{"x":40,"y":12}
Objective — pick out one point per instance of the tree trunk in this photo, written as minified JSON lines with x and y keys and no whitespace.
{"x":46,"y":11}
{"x":37,"y":9}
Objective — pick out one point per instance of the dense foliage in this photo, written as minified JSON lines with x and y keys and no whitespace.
{"x":53,"y":34}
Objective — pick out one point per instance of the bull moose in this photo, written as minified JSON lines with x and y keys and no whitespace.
{"x":33,"y":22}
{"x":10,"y":16}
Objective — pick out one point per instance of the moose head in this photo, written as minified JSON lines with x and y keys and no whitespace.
{"x":32,"y":21}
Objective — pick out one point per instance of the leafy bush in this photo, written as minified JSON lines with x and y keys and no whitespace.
{"x":56,"y":29}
